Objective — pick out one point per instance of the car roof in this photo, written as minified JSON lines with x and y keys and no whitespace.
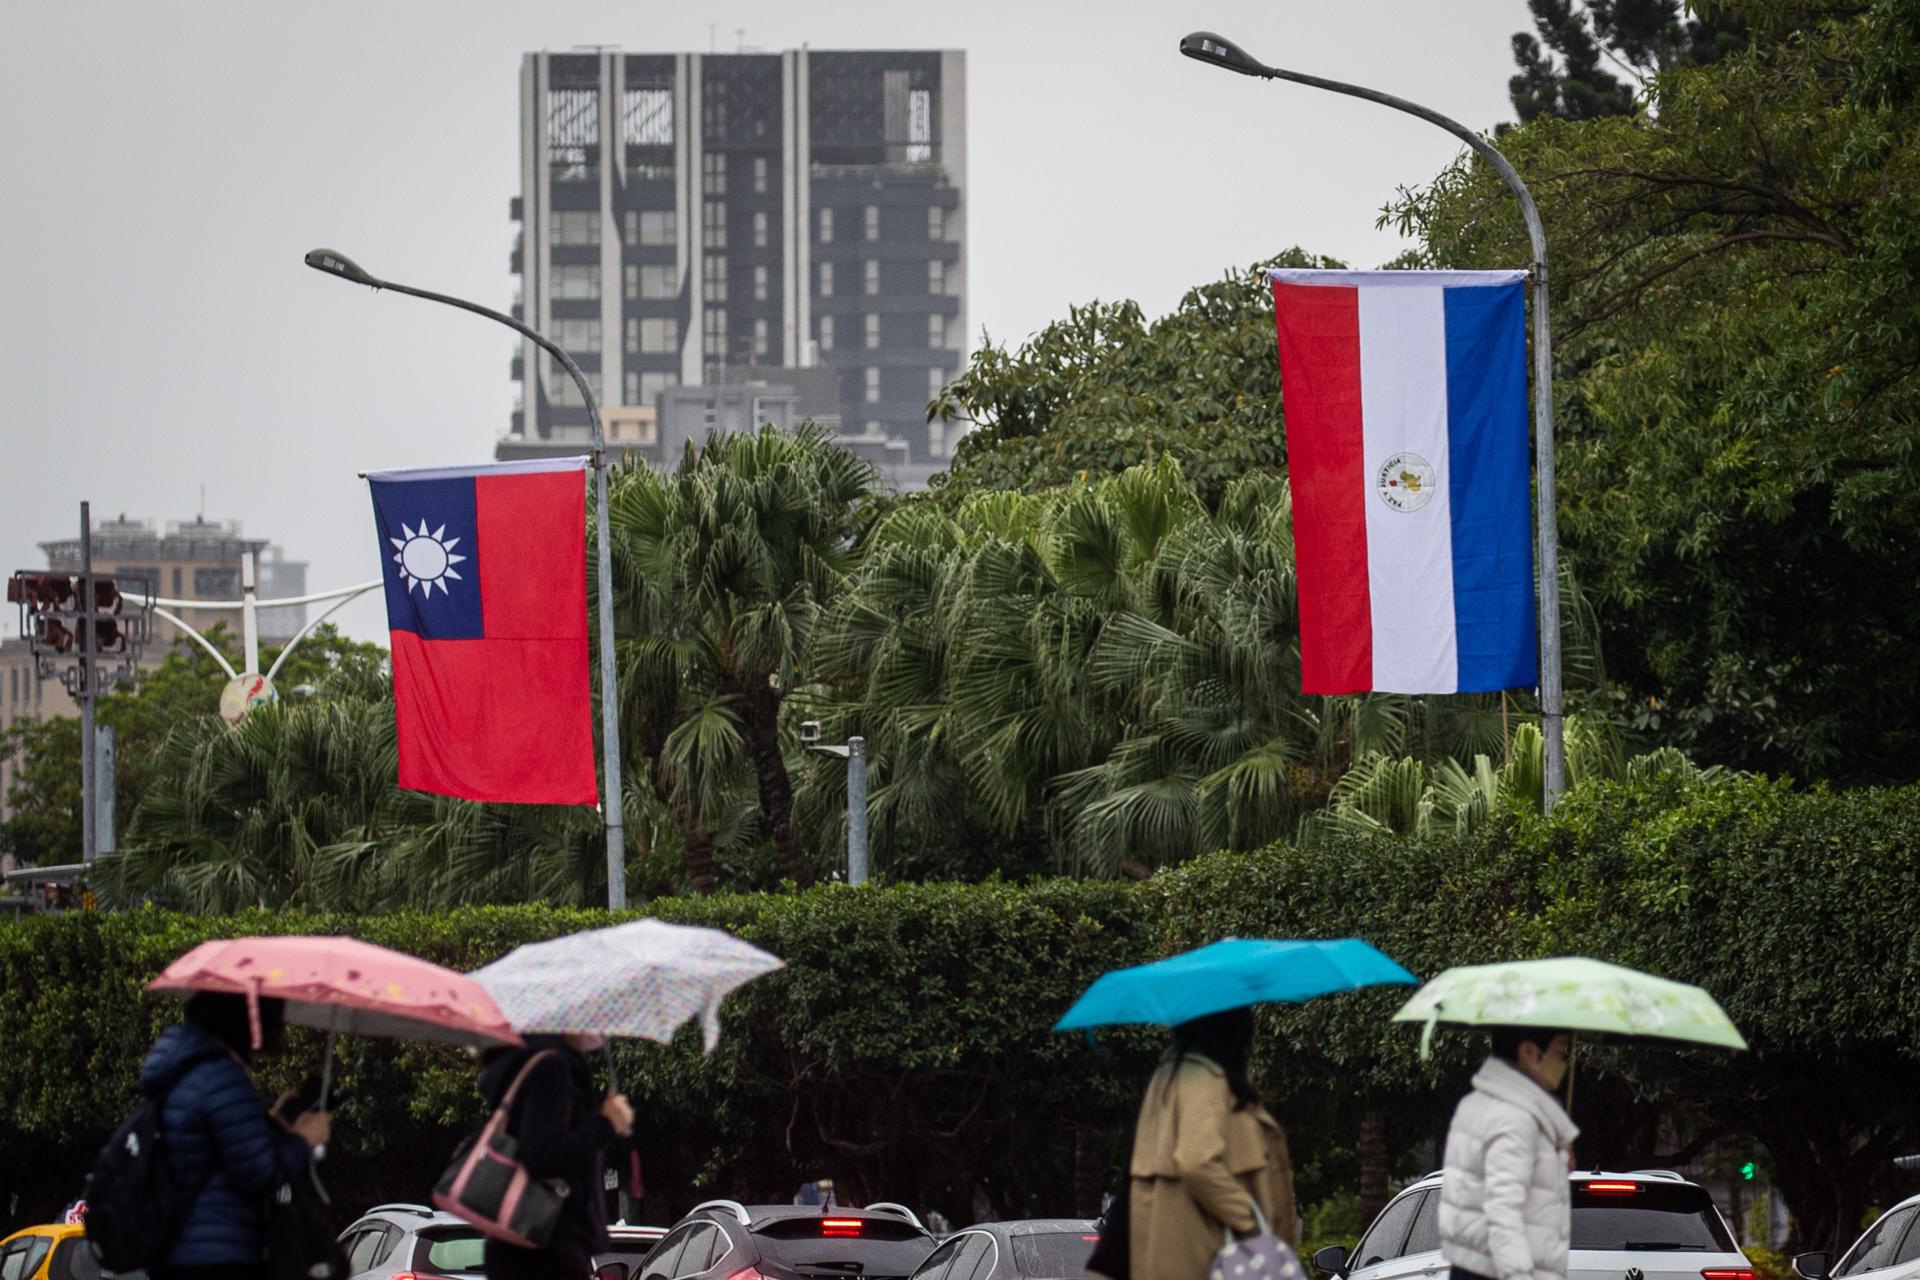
{"x":409,"y":1216}
{"x":57,"y":1230}
{"x":761,"y":1215}
{"x":1650,"y":1176}
{"x":1034,"y":1227}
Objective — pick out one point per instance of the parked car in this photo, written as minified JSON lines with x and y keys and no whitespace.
{"x":1032,"y":1249}
{"x":1888,"y":1250}
{"x":395,"y":1240}
{"x":726,"y":1240}
{"x":53,"y":1251}
{"x":1646,"y":1225}
{"x":629,"y":1247}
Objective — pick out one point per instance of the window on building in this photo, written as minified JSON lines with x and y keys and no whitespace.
{"x":576,"y":282}
{"x":652,"y":227}
{"x":873,"y":386}
{"x":919,"y":126}
{"x":652,"y":384}
{"x":936,"y":330}
{"x":759,"y":284}
{"x":713,"y":173}
{"x":563,"y":390}
{"x":648,"y":119}
{"x":826,"y":225}
{"x":873,"y":331}
{"x":713,"y":226}
{"x":826,"y":279}
{"x":713,"y":279}
{"x":826,"y":333}
{"x":936,"y":382}
{"x":937,"y":439}
{"x":760,"y":175}
{"x":659,"y":281}
{"x":760,"y":230}
{"x":936,"y":277}
{"x":759,"y":339}
{"x":573,"y":133}
{"x":216,"y":584}
{"x":873,"y":277}
{"x":936,"y":223}
{"x":571,"y":227}
{"x":714,"y":333}
{"x":659,"y":335}
{"x":873,"y":222}
{"x":176,"y":582}
{"x":576,"y":334}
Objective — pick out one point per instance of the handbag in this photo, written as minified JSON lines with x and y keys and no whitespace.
{"x":301,"y":1244}
{"x":487,"y":1186}
{"x":1260,"y":1256}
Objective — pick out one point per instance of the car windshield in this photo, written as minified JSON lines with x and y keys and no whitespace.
{"x":882,"y":1247}
{"x":1055,"y":1255}
{"x":1653,"y":1217}
{"x":451,"y":1251}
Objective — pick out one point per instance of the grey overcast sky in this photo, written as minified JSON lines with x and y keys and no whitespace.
{"x":167,"y":164}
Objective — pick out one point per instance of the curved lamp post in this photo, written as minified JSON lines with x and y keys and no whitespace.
{"x":1204,"y":46}
{"x":338,"y":264}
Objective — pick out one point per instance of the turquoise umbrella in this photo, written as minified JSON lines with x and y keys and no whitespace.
{"x":1229,"y":974}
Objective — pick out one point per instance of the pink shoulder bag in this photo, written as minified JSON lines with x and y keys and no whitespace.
{"x":488,"y":1186}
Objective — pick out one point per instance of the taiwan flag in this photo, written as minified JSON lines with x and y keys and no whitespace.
{"x":1406,"y":408}
{"x":486,"y":585}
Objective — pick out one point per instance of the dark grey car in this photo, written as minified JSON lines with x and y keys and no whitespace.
{"x":1029,"y":1249}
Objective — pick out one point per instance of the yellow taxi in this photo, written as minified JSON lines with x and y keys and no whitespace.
{"x":53,"y":1251}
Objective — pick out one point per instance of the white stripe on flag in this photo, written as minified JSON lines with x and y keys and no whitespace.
{"x":1403,"y":404}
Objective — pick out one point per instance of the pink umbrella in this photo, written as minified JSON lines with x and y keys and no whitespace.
{"x":343,"y":984}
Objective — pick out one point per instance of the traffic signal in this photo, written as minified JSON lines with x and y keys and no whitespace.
{"x":55,"y":618}
{"x":1748,"y":1169}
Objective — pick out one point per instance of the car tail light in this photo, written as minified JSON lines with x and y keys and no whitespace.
{"x":840,"y":1226}
{"x":747,"y":1274}
{"x":1613,"y":1188}
{"x":1727,"y":1273}
{"x":1095,"y":1238}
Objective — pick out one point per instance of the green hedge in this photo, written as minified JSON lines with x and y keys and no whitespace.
{"x":905,"y":1050}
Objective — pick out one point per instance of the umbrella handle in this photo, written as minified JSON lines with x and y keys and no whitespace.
{"x":613,"y":1077}
{"x":1426,"y":1034}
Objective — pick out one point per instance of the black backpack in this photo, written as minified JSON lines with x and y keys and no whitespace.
{"x":134,"y":1210}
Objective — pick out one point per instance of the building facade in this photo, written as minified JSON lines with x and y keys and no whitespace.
{"x":196,"y":559}
{"x":684,"y":215}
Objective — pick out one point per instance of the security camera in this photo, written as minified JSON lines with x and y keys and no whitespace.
{"x":809,"y":732}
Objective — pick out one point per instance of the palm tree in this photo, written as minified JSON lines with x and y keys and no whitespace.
{"x":724,"y":567}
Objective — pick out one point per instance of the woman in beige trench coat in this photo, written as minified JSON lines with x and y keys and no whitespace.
{"x":1205,"y":1153}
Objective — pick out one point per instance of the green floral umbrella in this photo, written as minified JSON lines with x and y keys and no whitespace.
{"x":1571,"y":993}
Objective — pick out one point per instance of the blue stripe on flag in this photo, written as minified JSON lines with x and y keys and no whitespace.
{"x":1493,"y":600}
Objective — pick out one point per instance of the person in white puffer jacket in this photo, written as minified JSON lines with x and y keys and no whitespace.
{"x":1505,"y":1211}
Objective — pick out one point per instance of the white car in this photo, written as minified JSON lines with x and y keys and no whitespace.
{"x":1648,"y":1225}
{"x":1890,"y":1250}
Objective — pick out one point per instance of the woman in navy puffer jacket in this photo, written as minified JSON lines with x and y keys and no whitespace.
{"x":220,"y":1138}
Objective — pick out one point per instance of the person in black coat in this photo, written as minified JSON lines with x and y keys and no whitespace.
{"x":221,"y":1146}
{"x":563,"y":1127}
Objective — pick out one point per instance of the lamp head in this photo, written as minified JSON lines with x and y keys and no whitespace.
{"x":1205,"y":46}
{"x":335,"y":263}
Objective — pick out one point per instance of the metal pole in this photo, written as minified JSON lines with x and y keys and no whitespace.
{"x":104,"y":769}
{"x":856,"y":810}
{"x":1552,"y":696}
{"x":609,"y":684}
{"x":249,"y":615}
{"x":84,"y":624}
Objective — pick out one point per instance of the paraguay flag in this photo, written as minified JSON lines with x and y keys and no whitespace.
{"x":486,"y":585}
{"x":1406,"y":408}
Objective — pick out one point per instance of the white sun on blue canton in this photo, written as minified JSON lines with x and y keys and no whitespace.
{"x":426,"y":560}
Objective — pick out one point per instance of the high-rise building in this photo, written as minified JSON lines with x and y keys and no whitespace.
{"x":684,"y":215}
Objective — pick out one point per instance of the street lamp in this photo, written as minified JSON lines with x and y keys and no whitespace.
{"x":854,"y":752}
{"x":338,"y":264}
{"x":1216,"y":50}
